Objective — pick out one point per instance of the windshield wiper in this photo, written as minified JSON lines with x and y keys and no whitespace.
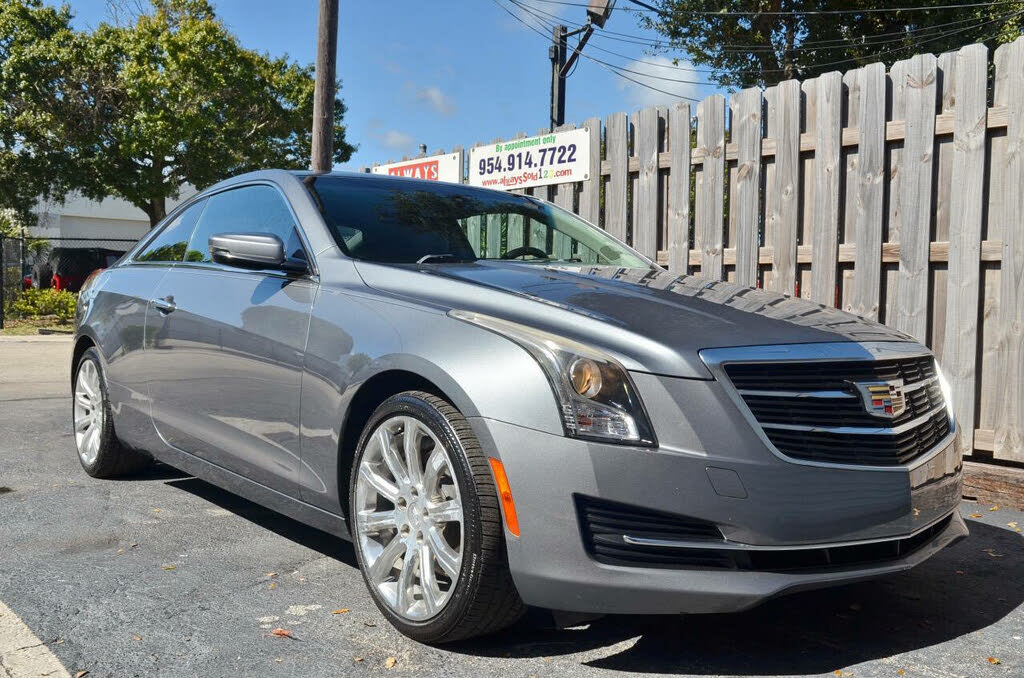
{"x":429,"y":258}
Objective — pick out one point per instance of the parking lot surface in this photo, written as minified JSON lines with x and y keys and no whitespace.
{"x":163,"y":574}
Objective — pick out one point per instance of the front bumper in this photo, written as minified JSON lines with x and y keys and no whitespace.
{"x":710,"y":466}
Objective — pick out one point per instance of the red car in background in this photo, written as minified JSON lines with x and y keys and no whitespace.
{"x":66,"y":268}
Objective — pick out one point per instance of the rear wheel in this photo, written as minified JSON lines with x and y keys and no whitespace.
{"x":101,"y":453}
{"x":426,"y":523}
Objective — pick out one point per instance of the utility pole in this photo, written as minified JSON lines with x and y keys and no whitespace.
{"x":323,"y":94}
{"x":598,"y":12}
{"x":559,"y":42}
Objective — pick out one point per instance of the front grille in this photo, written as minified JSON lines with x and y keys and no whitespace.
{"x":610,"y":530}
{"x":813,"y":410}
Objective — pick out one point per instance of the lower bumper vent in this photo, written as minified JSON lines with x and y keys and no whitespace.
{"x":620,"y":534}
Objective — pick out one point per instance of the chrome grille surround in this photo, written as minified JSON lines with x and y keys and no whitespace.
{"x":923,"y":392}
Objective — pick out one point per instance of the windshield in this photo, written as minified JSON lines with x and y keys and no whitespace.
{"x":386,"y":221}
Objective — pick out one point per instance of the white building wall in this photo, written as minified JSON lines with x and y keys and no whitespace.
{"x":113,"y":218}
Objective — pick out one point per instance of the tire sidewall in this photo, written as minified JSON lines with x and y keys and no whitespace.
{"x":408,"y":404}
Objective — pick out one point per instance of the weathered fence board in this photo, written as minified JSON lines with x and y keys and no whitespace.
{"x":645,"y":227}
{"x":617,"y":139}
{"x":825,"y":227}
{"x":746,"y":127}
{"x":910,"y":310}
{"x":784,"y":127}
{"x":1009,"y":438}
{"x":869,"y":195}
{"x":679,"y":189}
{"x":959,"y":355}
{"x":710,"y":185}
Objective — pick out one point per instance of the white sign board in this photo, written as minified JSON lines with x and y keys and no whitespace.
{"x":447,"y":167}
{"x":554,"y":158}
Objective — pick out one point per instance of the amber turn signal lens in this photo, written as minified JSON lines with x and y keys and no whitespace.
{"x":505,"y":493}
{"x":585,"y":375}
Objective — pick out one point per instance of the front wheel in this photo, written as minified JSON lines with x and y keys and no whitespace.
{"x":427,"y":525}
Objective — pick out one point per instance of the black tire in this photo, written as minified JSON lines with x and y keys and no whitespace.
{"x":485,"y":599}
{"x":113,"y":458}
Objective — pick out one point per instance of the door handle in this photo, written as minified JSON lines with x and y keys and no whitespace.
{"x":165,"y":305}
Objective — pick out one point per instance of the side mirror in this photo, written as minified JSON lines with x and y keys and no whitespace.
{"x":253,"y":250}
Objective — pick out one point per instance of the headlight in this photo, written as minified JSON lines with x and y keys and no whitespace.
{"x":595,"y":394}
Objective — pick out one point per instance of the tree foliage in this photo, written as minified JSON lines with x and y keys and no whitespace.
{"x":136,"y":111}
{"x":746,"y":44}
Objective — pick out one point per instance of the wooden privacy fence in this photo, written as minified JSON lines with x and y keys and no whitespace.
{"x":898,"y":196}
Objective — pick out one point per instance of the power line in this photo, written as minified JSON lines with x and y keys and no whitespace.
{"x":930,"y":38}
{"x":645,"y":8}
{"x":807,"y":45}
{"x":603,"y":64}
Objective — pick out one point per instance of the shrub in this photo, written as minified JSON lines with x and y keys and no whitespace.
{"x":35,"y":302}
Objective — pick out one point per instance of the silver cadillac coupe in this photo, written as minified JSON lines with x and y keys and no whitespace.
{"x":502,"y":406}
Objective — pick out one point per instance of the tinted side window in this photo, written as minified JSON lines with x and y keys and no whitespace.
{"x":171,"y":243}
{"x":251,"y":209}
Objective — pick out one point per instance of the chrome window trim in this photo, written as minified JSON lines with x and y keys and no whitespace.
{"x":726,"y":545}
{"x":717,"y":358}
{"x":314,"y":270}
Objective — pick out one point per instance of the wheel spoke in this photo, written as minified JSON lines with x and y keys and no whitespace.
{"x":447,"y":558}
{"x":380,"y":568}
{"x":83,"y":400}
{"x":449,"y":511}
{"x":384,"y":487}
{"x":428,"y":583}
{"x":412,"y":437}
{"x":435,"y":463}
{"x":405,"y":581}
{"x":375,"y":521}
{"x":92,"y":440}
{"x":83,"y":423}
{"x":390,"y":456}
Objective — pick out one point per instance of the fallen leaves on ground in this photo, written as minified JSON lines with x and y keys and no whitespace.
{"x":390,"y":662}
{"x":272,"y":585}
{"x":900,"y":672}
{"x":992,"y":552}
{"x":974,"y":515}
{"x":993,"y":660}
{"x":371,"y":624}
{"x":270,"y":574}
{"x":136,"y":637}
{"x":343,"y":610}
{"x":993,"y":507}
{"x":168,"y":567}
{"x":81,"y":673}
{"x":282,"y":633}
{"x":156,"y":510}
{"x":357,"y":659}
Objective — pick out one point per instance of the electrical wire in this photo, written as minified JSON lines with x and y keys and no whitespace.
{"x":929,"y":38}
{"x":805,"y":45}
{"x":645,"y":8}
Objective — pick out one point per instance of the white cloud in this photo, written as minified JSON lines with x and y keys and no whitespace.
{"x":651,"y":72}
{"x":395,"y":140}
{"x":436,"y":100}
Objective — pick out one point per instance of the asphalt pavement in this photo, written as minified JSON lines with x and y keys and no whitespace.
{"x":166,"y":575}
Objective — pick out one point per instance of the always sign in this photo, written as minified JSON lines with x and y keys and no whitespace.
{"x":447,"y":167}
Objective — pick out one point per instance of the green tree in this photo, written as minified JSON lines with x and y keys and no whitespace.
{"x":761,"y":42}
{"x":136,"y":111}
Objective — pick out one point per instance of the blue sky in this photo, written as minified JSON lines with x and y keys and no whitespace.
{"x":445,"y":72}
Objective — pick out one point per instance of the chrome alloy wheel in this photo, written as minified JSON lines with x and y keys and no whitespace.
{"x":88,"y":417}
{"x":409,"y":518}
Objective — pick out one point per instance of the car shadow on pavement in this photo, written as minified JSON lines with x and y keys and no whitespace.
{"x":310,"y":537}
{"x":963,"y":589}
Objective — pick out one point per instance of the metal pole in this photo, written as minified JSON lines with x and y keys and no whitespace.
{"x":3,"y":279}
{"x":559,"y":43}
{"x":323,"y":96}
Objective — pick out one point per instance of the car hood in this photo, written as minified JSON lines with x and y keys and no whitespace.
{"x":651,"y":320}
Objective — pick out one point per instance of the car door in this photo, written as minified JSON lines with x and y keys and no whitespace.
{"x":228,"y":344}
{"x":119,"y":322}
